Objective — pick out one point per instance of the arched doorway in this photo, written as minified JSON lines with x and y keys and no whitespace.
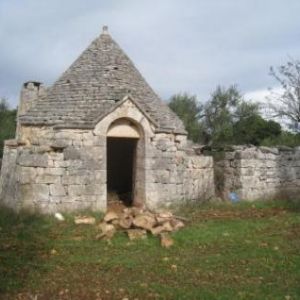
{"x":124,"y":152}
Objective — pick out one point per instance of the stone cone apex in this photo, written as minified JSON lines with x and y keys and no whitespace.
{"x":91,"y":87}
{"x":105,"y":29}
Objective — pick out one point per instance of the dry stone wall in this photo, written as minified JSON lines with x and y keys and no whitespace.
{"x":259,"y":173}
{"x":54,"y":171}
{"x":51,"y":170}
{"x":178,"y":173}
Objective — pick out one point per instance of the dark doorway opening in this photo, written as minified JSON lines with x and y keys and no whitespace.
{"x":121,"y":154}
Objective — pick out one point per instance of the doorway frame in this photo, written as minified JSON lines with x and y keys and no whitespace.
{"x":134,"y":131}
{"x":129,"y":109}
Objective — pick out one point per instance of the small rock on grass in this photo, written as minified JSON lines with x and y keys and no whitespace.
{"x":53,"y":252}
{"x":58,"y":216}
{"x":176,"y":224}
{"x":136,"y":234}
{"x":166,"y":241}
{"x":84,"y":220}
{"x":168,"y":227}
{"x":107,"y":231}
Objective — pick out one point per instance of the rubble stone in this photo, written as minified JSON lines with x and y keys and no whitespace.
{"x":110,"y":216}
{"x":84,"y":220}
{"x":144,"y":221}
{"x":166,"y":241}
{"x":136,"y":234}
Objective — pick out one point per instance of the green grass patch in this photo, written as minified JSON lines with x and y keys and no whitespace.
{"x":243,"y":251}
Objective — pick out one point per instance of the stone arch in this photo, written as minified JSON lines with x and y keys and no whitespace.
{"x":124,"y":127}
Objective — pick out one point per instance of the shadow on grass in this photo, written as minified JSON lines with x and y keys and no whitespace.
{"x":24,"y":243}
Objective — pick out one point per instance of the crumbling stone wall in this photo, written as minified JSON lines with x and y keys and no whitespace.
{"x":259,"y":173}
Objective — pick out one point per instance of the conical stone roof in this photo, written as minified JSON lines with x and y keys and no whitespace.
{"x":101,"y":76}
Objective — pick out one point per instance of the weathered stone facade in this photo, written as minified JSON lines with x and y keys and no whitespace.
{"x":58,"y":161}
{"x":65,"y":169}
{"x":259,"y":173}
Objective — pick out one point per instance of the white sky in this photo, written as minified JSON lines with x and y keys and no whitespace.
{"x":179,"y":46}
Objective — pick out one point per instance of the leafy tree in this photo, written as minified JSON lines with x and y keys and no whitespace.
{"x":286,"y":138}
{"x":254,"y":130}
{"x":287,"y":103}
{"x":222,"y":111}
{"x":3,"y":104}
{"x":7,"y":123}
{"x":189,"y":110}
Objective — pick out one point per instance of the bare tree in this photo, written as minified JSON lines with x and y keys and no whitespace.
{"x":287,"y":103}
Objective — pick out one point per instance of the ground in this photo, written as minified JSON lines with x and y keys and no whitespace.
{"x":240,"y":251}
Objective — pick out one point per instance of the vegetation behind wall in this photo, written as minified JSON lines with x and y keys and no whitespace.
{"x":7,"y":123}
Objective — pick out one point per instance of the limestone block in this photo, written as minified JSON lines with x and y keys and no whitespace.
{"x":101,"y":203}
{"x":57,"y":156}
{"x":164,"y":144}
{"x":11,"y":143}
{"x":77,"y":143}
{"x":62,"y":199}
{"x":72,"y":153}
{"x":40,"y":192}
{"x":92,"y":189}
{"x":205,"y":162}
{"x":47,"y":207}
{"x":43,"y":149}
{"x":27,"y":159}
{"x":47,"y":179}
{"x":100,"y":141}
{"x":87,"y":142}
{"x":50,"y":171}
{"x":179,"y":138}
{"x":68,"y":206}
{"x":270,"y":156}
{"x":248,"y":154}
{"x":75,"y":190}
{"x":57,"y":190}
{"x":246,"y":172}
{"x":59,"y":144}
{"x":162,"y":176}
{"x":271,"y":163}
{"x":61,"y":164}
{"x":86,"y":198}
{"x":68,"y":135}
{"x":86,"y":136}
{"x":160,"y":164}
{"x":26,"y":175}
{"x":28,"y":205}
{"x":25,"y":192}
{"x":249,"y":163}
{"x":100,"y":176}
{"x":274,"y":151}
{"x":75,"y":179}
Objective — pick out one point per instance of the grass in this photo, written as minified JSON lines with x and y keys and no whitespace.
{"x":242,"y":251}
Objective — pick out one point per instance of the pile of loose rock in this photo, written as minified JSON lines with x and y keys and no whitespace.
{"x":137,"y":223}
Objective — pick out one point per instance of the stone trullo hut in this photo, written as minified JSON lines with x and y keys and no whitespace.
{"x":99,"y":128}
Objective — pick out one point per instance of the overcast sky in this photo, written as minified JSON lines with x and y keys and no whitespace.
{"x":178,"y":45}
